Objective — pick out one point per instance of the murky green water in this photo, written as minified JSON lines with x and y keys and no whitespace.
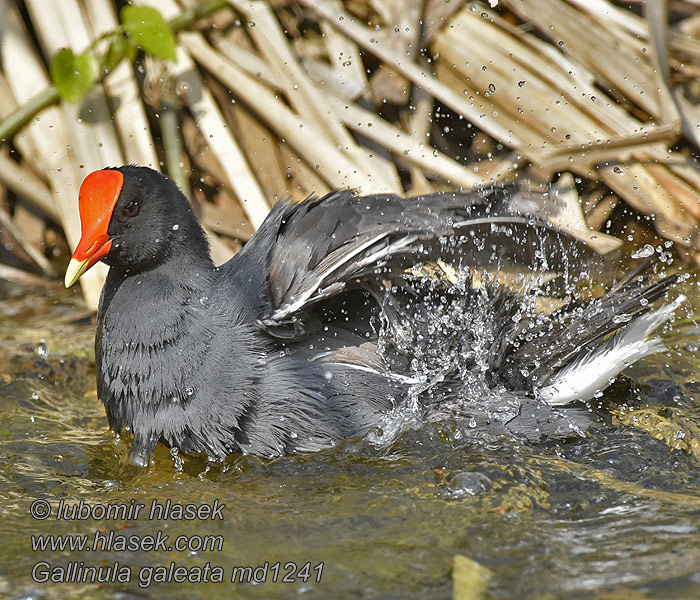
{"x":615,"y":515}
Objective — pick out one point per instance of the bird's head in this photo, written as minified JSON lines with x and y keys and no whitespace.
{"x":130,"y":218}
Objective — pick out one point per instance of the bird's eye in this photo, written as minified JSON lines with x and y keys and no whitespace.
{"x":132,"y":209}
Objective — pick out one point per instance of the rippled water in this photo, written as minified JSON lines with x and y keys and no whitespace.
{"x":614,"y":515}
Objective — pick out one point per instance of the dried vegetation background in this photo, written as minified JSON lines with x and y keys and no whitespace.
{"x":292,"y":98}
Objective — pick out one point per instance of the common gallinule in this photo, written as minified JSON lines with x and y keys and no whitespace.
{"x":332,"y":317}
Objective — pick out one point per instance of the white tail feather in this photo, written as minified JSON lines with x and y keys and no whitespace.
{"x":591,"y":373}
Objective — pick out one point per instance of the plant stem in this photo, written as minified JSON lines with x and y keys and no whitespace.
{"x":196,"y":13}
{"x":25,"y":113}
{"x":172,"y":145}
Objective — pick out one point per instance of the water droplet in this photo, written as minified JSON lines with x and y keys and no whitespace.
{"x":622,"y":318}
{"x":42,"y":350}
{"x":645,"y":252}
{"x":463,"y":484}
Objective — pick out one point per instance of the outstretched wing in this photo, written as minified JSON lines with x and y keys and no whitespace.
{"x":317,"y":248}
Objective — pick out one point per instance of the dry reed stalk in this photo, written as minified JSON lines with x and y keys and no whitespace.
{"x":657,"y":17}
{"x":311,"y":93}
{"x":32,"y":252}
{"x":570,"y":218}
{"x":602,"y":211}
{"x":213,"y":125}
{"x":93,"y":139}
{"x":375,"y":43}
{"x":202,"y":155}
{"x":603,"y":10}
{"x":344,"y":55}
{"x":123,"y":92}
{"x":304,"y":95}
{"x":650,"y":190}
{"x":685,"y":196}
{"x":226,"y":218}
{"x":333,"y":82}
{"x":32,"y":226}
{"x":18,"y":276}
{"x":262,"y":151}
{"x":642,"y":64}
{"x":652,"y":144}
{"x":419,"y":126}
{"x":557,"y":102}
{"x":298,"y":179}
{"x":690,"y":117}
{"x":25,"y":73}
{"x":236,"y":224}
{"x":686,"y":169}
{"x":639,"y":188}
{"x":619,"y":61}
{"x":304,"y":180}
{"x":28,"y":186}
{"x":655,"y":30}
{"x":94,"y":142}
{"x":360,"y":120}
{"x":553,"y":110}
{"x":387,"y":84}
{"x":8,"y":104}
{"x":232,"y":45}
{"x":438,"y":14}
{"x":406,"y":147}
{"x":332,"y":78}
{"x":527,"y":139}
{"x":33,"y":206}
{"x":320,"y":153}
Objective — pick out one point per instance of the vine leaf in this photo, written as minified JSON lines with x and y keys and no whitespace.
{"x":74,"y":74}
{"x":119,"y":47}
{"x":149,"y":31}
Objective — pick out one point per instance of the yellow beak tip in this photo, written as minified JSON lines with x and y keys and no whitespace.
{"x":75,"y":269}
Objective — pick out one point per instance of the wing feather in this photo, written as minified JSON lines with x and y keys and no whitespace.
{"x":317,"y":248}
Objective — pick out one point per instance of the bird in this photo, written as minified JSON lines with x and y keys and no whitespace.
{"x":345,"y":311}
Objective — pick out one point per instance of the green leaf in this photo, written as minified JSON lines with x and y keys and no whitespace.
{"x":119,"y":48}
{"x":74,"y":75}
{"x":149,"y":31}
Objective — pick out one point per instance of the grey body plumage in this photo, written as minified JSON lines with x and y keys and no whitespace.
{"x":309,"y":335}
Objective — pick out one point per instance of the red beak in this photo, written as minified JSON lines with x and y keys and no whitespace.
{"x":98,"y":196}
